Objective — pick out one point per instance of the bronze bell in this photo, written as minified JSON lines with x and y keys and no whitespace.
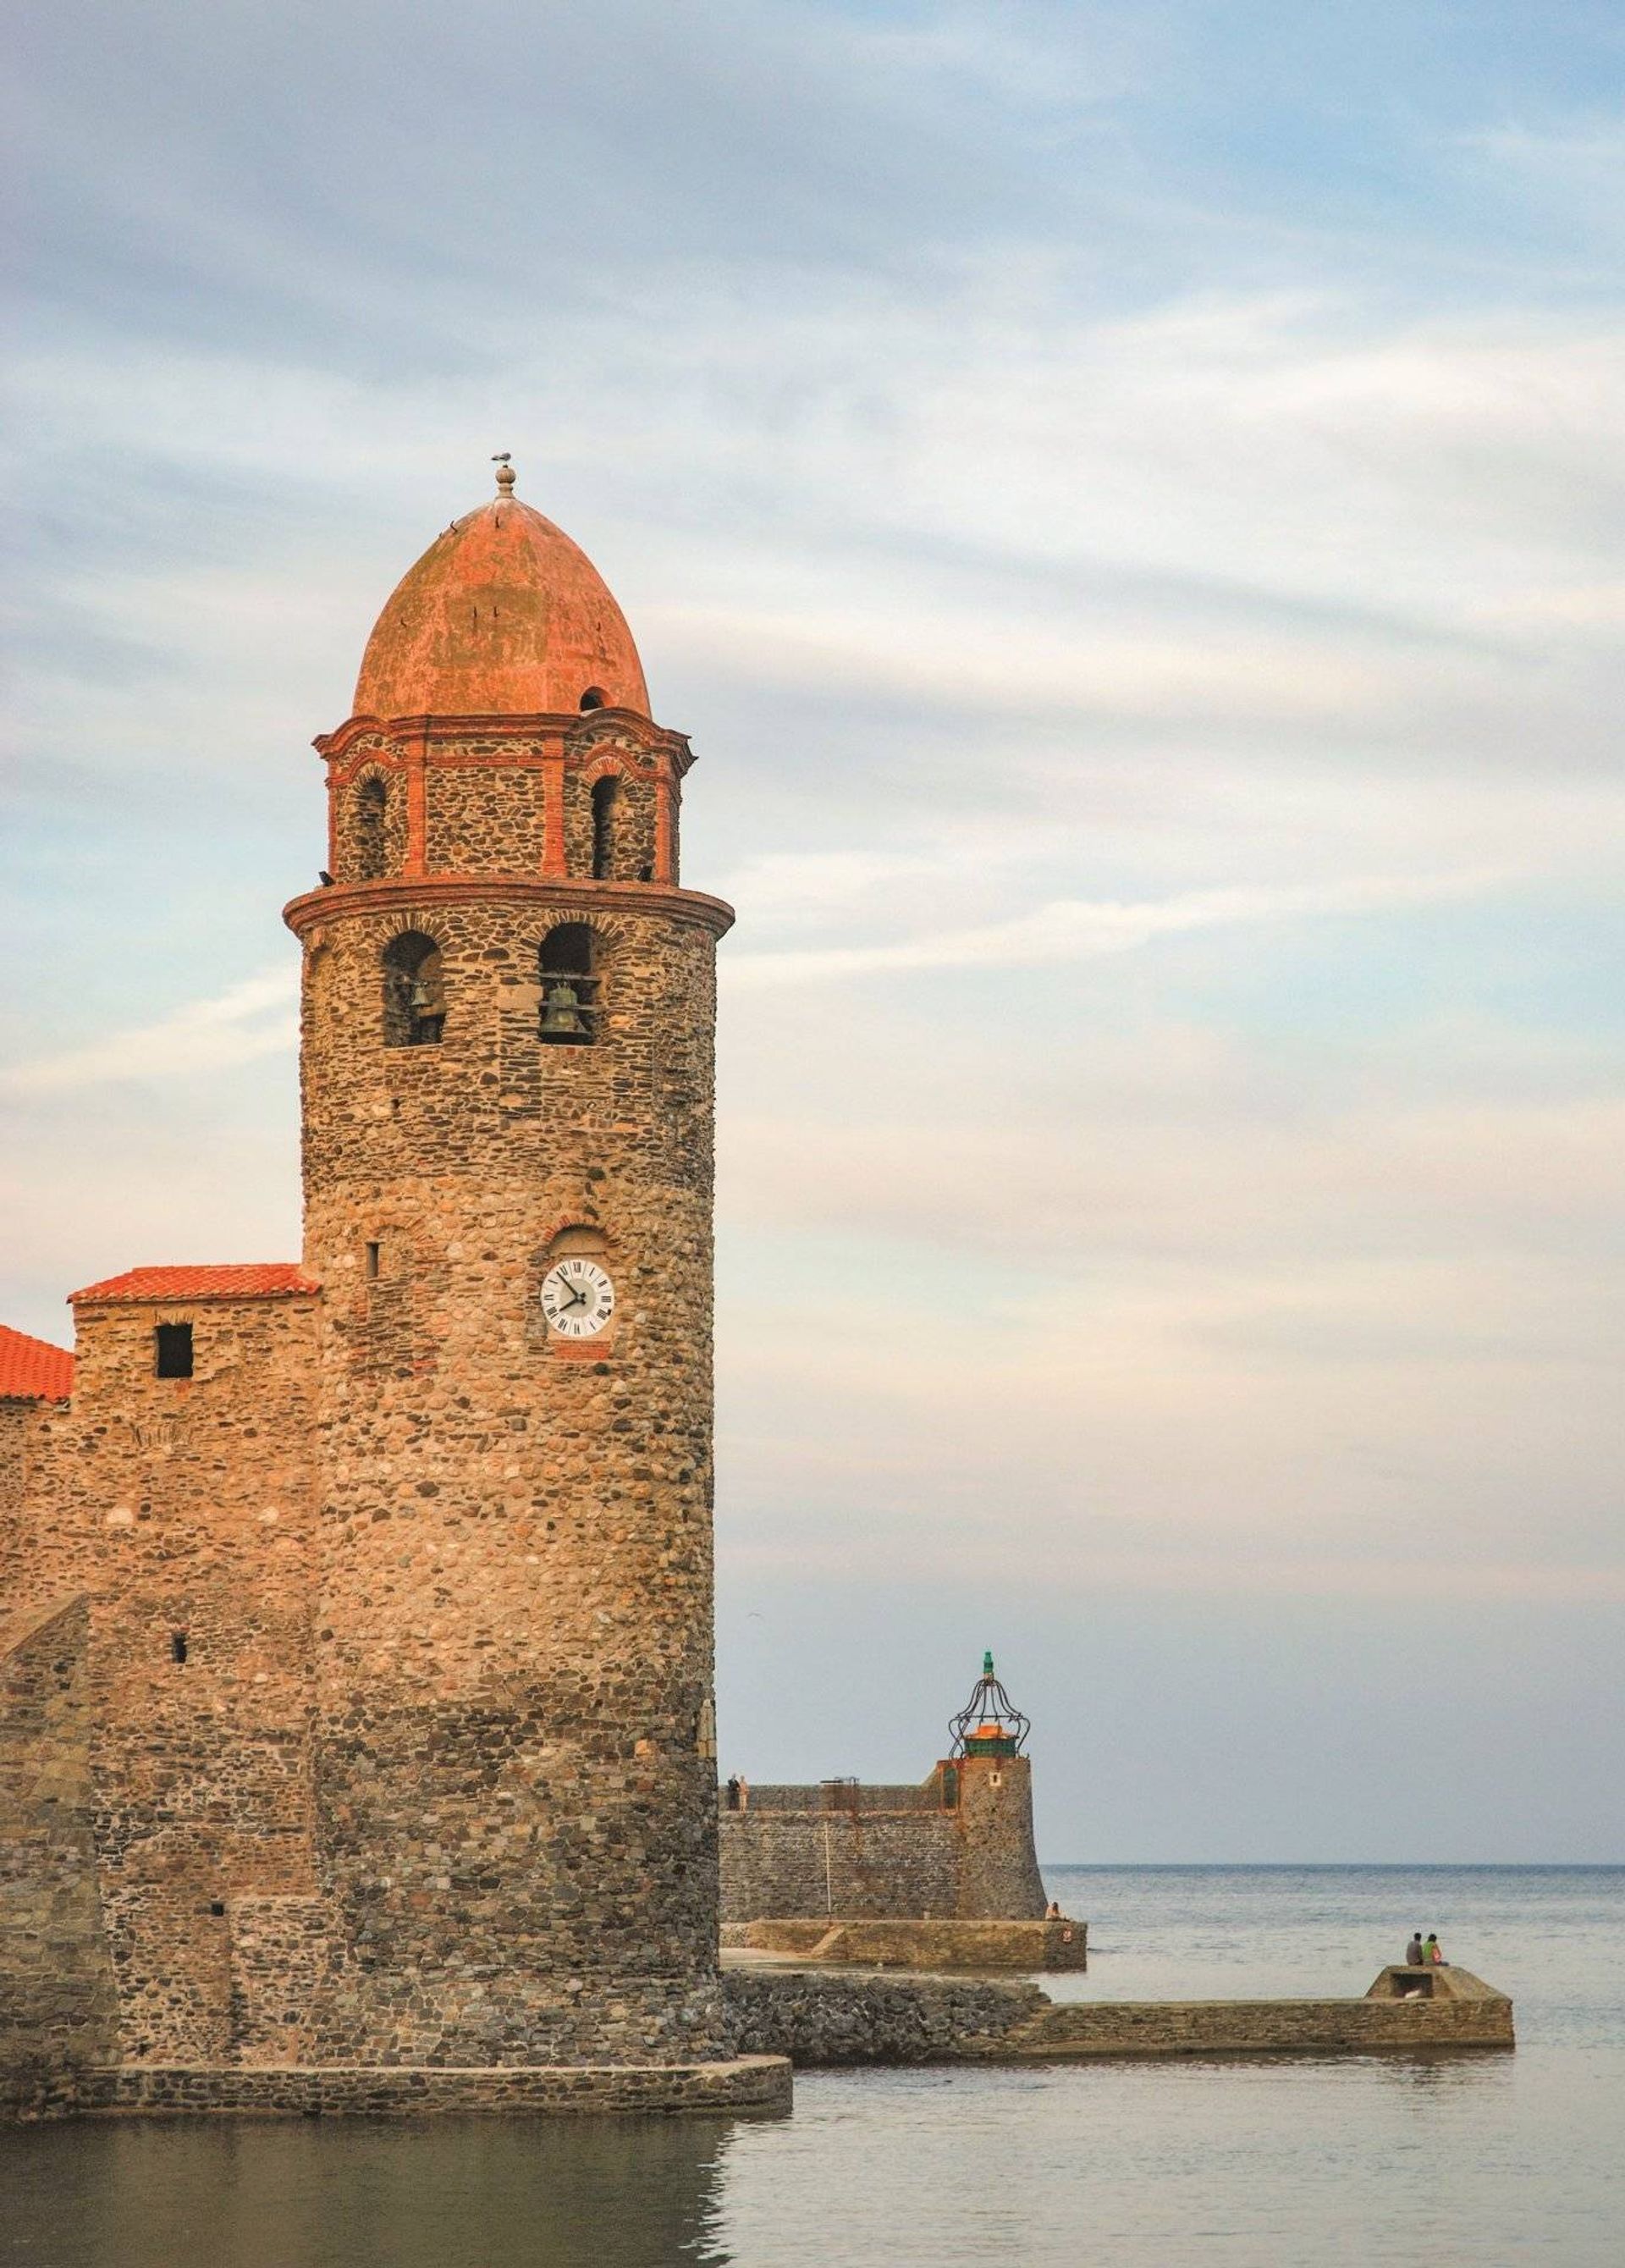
{"x":561,"y":1013}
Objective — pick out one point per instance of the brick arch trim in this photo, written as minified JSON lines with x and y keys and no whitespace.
{"x":411,"y":924}
{"x":384,"y":757}
{"x":563,"y":1225}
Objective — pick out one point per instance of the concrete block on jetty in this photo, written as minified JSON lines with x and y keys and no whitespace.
{"x":1025,"y":1947}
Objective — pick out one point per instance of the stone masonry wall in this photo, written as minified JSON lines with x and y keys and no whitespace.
{"x":976,"y":1862}
{"x":998,"y":1861}
{"x":183,"y":1509}
{"x":57,"y":2014}
{"x":353,"y":831}
{"x":514,"y":1633}
{"x":882,"y":1864}
{"x":22,"y":1425}
{"x":484,"y":818}
{"x":281,"y":1953}
{"x":633,"y":832}
{"x":487,"y":798}
{"x":834,"y":2020}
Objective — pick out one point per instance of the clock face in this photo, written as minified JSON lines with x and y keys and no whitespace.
{"x":577,"y":1299}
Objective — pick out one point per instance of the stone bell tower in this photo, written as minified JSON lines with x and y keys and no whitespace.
{"x":509,"y":1006}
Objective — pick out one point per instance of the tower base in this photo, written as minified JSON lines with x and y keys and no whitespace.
{"x":744,"y":2083}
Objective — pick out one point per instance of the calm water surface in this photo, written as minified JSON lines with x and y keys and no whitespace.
{"x":1481,"y":2160}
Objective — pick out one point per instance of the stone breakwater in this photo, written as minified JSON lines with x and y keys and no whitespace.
{"x":833,"y":2018}
{"x":839,"y":2018}
{"x":777,"y":2017}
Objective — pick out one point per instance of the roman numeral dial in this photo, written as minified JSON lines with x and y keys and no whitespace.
{"x":577,"y":1299}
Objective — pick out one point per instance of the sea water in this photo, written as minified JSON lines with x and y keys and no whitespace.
{"x":1420,"y":2163}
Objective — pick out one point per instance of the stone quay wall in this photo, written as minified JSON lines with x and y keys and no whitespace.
{"x":833,"y":2017}
{"x":58,"y":2012}
{"x":1079,"y":2030}
{"x":959,"y":1845}
{"x":742,"y":2083}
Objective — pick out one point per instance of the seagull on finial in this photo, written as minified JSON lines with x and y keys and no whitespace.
{"x":505,"y":457}
{"x":504,"y":474}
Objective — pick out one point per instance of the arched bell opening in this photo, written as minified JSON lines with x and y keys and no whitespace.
{"x":568,"y":972}
{"x":414,"y":992}
{"x":594,"y":697}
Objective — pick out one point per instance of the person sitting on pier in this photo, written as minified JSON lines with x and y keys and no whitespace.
{"x":1414,"y":1956}
{"x":1052,"y":1911}
{"x":1434,"y":1951}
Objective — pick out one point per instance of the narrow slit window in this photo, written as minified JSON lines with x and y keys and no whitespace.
{"x":372,"y":1261}
{"x":372,"y":814}
{"x":606,"y":812}
{"x":177,"y":1646}
{"x":172,"y":1345}
{"x":567,"y":974}
{"x":414,"y":992}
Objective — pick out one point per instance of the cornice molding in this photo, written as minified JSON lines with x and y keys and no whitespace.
{"x":406,"y":893}
{"x":573,"y":726}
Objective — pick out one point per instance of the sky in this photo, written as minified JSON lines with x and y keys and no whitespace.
{"x":1130,"y":503}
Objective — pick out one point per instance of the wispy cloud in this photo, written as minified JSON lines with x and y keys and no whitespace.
{"x":258,"y":1017}
{"x":1210,"y":1575}
{"x":1072,"y":929}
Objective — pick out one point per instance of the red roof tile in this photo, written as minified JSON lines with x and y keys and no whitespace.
{"x":33,"y":1368}
{"x":275,"y":1280}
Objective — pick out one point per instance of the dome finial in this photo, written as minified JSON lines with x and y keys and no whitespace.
{"x":505,"y":474}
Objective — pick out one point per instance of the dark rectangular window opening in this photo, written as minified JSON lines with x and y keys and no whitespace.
{"x":173,"y":1349}
{"x":178,"y":1645}
{"x":568,"y":971}
{"x":372,"y":1257}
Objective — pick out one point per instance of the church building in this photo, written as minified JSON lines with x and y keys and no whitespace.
{"x":356,"y":1735}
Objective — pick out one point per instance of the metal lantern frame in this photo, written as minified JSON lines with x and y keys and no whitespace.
{"x":990,"y":1704}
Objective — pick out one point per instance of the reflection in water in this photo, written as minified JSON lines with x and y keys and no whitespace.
{"x":1458,"y":2161}
{"x":354,"y":2193}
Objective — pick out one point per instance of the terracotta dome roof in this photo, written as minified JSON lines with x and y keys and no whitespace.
{"x":501,"y":615}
